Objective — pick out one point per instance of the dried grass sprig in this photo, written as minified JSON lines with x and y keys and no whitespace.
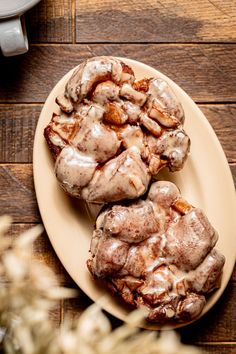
{"x":29,"y":290}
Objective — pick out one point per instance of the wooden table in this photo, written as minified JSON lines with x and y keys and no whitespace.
{"x":193,"y":42}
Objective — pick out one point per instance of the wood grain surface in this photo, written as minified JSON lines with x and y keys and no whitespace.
{"x":206,"y":72}
{"x":17,"y":127}
{"x":218,"y":348}
{"x":192,"y":42}
{"x":50,"y":21}
{"x":156,"y":21}
{"x":17,"y":197}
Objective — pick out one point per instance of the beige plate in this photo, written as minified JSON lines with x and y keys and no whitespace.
{"x":205,"y":182}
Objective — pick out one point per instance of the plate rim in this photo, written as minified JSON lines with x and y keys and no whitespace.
{"x":220,"y":150}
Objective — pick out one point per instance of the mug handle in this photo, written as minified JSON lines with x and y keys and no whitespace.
{"x":13,"y":37}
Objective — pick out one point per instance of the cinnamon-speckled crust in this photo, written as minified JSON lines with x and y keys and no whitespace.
{"x":54,"y":149}
{"x":107,"y":118}
{"x":158,"y":254}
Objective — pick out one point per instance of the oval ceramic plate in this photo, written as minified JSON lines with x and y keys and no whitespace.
{"x":205,"y":182}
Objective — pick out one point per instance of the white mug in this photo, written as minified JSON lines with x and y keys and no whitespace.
{"x":13,"y":37}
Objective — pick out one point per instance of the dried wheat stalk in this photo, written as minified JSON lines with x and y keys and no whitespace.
{"x":29,"y":289}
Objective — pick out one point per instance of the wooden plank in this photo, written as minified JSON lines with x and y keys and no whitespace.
{"x":18,"y":123}
{"x":218,"y":349}
{"x":218,"y":325}
{"x":233,"y":276}
{"x":50,"y":21}
{"x":17,"y":197}
{"x":155,"y":21}
{"x":222,"y":119}
{"x":55,"y":314}
{"x":73,"y":308}
{"x":206,"y":72}
{"x":43,"y":252}
{"x":17,"y":127}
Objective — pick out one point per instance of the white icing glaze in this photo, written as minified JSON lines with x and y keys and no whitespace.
{"x":133,"y":111}
{"x":175,"y":146}
{"x":57,"y":140}
{"x":150,"y":124}
{"x":64,"y":119}
{"x":92,"y":111}
{"x":132,"y":136}
{"x":131,"y":94}
{"x":105,"y":92}
{"x":160,"y":90}
{"x":91,"y":72}
{"x":74,"y":170}
{"x":94,"y":138}
{"x":160,"y":115}
{"x":65,"y":103}
{"x":124,"y":175}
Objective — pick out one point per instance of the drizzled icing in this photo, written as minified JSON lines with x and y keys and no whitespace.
{"x":165,"y":249}
{"x":94,"y":138}
{"x":74,"y":170}
{"x":92,"y":71}
{"x":132,"y":110}
{"x":125,"y":130}
{"x":131,"y":94}
{"x":165,"y":97}
{"x":124,"y":175}
{"x":105,"y":92}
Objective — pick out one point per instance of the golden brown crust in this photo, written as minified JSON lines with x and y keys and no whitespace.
{"x":127,"y":69}
{"x":114,"y":114}
{"x":55,"y":150}
{"x":182,"y":206}
{"x":142,"y":85}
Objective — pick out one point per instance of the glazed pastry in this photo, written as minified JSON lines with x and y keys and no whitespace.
{"x":157,"y":254}
{"x":114,"y":134}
